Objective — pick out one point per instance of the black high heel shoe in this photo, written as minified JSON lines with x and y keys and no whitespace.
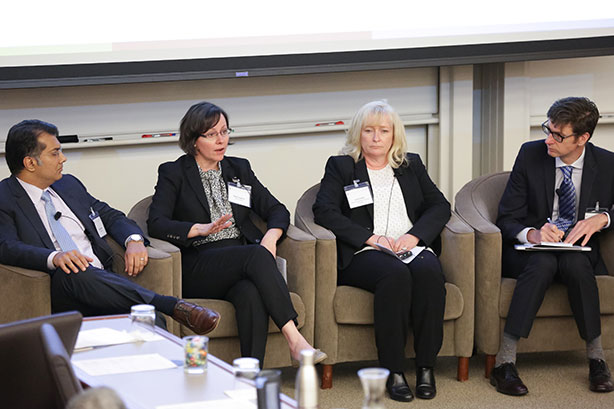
{"x":425,"y":383}
{"x":397,"y":387}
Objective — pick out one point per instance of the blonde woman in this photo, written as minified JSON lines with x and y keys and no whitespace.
{"x":398,"y":209}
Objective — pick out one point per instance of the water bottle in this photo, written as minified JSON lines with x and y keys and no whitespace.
{"x":306,"y":387}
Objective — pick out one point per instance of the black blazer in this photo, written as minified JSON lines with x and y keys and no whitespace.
{"x":24,"y":242}
{"x":529,"y":195}
{"x":426,"y":206}
{"x":180,"y":201}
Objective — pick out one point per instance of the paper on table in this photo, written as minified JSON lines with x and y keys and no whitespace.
{"x":247,"y":393}
{"x":107,"y":336}
{"x":123,"y":364}
{"x":211,"y":404}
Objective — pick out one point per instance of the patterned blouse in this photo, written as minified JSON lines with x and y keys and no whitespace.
{"x":217,"y":197}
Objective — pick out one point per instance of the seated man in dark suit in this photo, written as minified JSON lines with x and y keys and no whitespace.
{"x":49,"y":222}
{"x":556,"y":192}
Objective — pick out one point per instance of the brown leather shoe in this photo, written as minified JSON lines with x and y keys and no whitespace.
{"x":505,"y":378}
{"x":199,"y":319}
{"x":599,"y":376}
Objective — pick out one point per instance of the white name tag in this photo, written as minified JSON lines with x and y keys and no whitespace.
{"x":358,"y":194}
{"x":240,"y":194}
{"x":98,"y":224}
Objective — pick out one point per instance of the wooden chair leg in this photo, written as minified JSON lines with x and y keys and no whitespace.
{"x":463,"y":369}
{"x":327,"y":376}
{"x":490,"y":364}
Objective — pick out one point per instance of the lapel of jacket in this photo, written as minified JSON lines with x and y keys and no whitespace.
{"x":78,"y":207}
{"x":228,"y":174}
{"x":402,"y":175}
{"x":193,"y":176}
{"x":549,"y":171}
{"x":27,"y":207}
{"x":589,"y":172}
{"x":360,"y":173}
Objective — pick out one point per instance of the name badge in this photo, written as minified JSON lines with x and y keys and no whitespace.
{"x":590,"y":212}
{"x":358,"y":194}
{"x":240,"y":194}
{"x":95,"y":217}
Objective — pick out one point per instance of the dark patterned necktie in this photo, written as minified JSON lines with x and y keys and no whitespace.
{"x":567,"y":200}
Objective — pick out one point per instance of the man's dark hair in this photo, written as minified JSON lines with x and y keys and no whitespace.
{"x":199,"y":119}
{"x":579,"y":112}
{"x":22,"y":141}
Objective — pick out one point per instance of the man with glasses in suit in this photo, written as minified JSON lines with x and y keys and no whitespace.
{"x":560,"y":189}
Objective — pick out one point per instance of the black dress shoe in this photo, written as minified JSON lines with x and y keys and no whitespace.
{"x":505,"y":378}
{"x":599,"y":376}
{"x":199,"y":319}
{"x":397,"y":387}
{"x":425,"y":383}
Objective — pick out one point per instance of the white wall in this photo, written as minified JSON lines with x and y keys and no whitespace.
{"x":531,"y":87}
{"x":288,"y":164}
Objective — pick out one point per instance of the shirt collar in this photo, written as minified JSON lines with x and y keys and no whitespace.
{"x":35,"y":193}
{"x":578,"y":164}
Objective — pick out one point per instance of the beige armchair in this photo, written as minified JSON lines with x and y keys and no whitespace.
{"x":298,"y":248}
{"x":554,"y":329}
{"x":26,"y":293}
{"x":344,"y":314}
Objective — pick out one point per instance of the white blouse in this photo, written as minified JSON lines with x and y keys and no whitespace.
{"x":389,"y":212}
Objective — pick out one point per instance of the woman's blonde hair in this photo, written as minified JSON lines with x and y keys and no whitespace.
{"x":375,"y":110}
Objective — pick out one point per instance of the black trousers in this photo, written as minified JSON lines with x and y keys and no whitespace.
{"x":100,"y":292}
{"x":246,"y":276}
{"x":535,"y":272}
{"x":404,"y":294}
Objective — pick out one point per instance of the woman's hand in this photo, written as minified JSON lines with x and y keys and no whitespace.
{"x":405,"y":242}
{"x":374,"y":240}
{"x":269,"y":241}
{"x":205,"y":229}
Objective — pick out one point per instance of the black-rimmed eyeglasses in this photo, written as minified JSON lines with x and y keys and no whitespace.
{"x":557,"y":136}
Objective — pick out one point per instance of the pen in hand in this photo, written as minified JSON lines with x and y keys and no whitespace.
{"x":551,"y":222}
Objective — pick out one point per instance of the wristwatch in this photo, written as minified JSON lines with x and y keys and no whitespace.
{"x":134,"y":237}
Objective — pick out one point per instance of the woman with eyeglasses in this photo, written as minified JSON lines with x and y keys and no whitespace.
{"x":201,"y":204}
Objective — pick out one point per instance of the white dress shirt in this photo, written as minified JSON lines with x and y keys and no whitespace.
{"x":576,"y":179}
{"x":69,"y":221}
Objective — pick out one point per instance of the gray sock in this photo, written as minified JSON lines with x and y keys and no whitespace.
{"x":507,"y":350}
{"x":594,"y":350}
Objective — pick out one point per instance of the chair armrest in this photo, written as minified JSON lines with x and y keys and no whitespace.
{"x":157,"y":274}
{"x":326,"y":329}
{"x":487,"y":290}
{"x":298,"y":248}
{"x":458,"y":264}
{"x":24,"y":293}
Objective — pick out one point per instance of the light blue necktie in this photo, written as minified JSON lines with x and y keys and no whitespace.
{"x":61,"y":235}
{"x":567,"y":200}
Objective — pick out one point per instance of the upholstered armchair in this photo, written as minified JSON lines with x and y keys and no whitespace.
{"x":26,"y":293}
{"x":298,"y":249}
{"x":344,"y":314}
{"x":554,"y":329}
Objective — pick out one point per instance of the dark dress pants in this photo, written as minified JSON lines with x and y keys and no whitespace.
{"x":404,"y":295}
{"x":97,"y":292}
{"x":247,"y":276}
{"x":535,"y":272}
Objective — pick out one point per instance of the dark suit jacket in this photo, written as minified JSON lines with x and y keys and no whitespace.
{"x":529,"y":195}
{"x":180,"y":201}
{"x":426,"y":206}
{"x":24,"y":242}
